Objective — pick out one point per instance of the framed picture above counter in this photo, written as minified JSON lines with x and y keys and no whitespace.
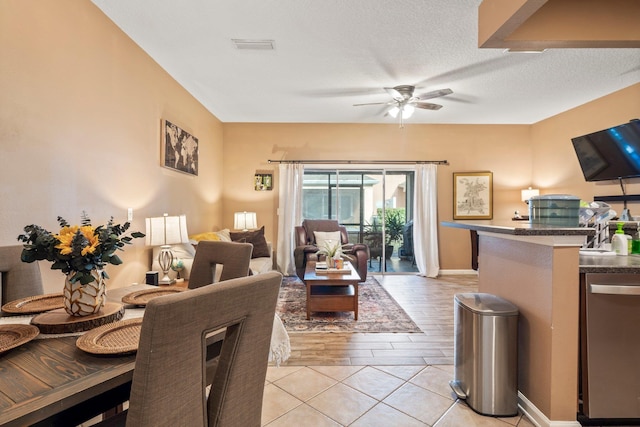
{"x":473,"y":195}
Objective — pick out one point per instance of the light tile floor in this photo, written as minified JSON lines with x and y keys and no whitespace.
{"x":370,"y":380}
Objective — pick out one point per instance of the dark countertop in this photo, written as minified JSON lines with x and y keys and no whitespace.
{"x":588,"y":264}
{"x":610,"y":264}
{"x":519,"y":228}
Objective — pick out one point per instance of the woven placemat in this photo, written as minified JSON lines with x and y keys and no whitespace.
{"x":12,"y":336}
{"x":120,"y":337}
{"x":141,"y":298}
{"x":34,"y":304}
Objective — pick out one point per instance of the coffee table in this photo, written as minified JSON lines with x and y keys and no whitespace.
{"x":331,"y":291}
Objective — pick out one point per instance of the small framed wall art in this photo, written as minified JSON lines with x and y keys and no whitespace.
{"x":179,"y":149}
{"x":472,"y":195}
{"x":263,"y":181}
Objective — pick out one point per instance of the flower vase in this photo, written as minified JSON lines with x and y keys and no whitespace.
{"x":84,"y":300}
{"x":329,"y":261}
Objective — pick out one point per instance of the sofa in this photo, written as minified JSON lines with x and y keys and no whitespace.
{"x":259,"y":264}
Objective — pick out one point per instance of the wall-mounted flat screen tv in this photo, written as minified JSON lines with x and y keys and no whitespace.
{"x":610,"y":154}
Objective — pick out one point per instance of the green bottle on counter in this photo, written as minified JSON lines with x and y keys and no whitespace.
{"x":635,"y":241}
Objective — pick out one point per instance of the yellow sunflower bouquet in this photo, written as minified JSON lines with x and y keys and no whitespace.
{"x":77,"y":250}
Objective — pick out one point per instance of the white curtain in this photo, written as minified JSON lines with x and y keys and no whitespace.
{"x":289,"y":214}
{"x":425,"y":220}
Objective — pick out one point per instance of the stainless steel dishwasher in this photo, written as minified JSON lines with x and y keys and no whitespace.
{"x":610,"y":347}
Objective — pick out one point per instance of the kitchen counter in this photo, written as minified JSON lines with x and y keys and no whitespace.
{"x":588,"y":264}
{"x":610,"y":264}
{"x":537,"y":269}
{"x":518,"y":228}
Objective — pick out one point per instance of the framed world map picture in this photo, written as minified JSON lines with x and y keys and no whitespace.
{"x":179,"y":149}
{"x":472,"y":195}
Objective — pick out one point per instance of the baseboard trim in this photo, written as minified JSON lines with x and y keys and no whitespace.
{"x":537,"y":417}
{"x":458,"y":272}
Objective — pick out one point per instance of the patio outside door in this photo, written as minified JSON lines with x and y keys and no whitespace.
{"x":376,"y":207}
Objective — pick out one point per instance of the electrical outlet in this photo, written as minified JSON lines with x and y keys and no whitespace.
{"x":130,"y":214}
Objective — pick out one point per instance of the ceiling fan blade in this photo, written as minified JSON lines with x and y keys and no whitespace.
{"x":394,"y":93}
{"x":375,"y":103}
{"x":427,"y":106}
{"x":435,"y":94}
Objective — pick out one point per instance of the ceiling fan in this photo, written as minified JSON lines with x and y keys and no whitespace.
{"x":404,"y":102}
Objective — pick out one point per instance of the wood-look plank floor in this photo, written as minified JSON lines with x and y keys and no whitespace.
{"x":429,"y":302}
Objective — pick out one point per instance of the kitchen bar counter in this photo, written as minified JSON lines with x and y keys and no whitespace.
{"x":537,"y":269}
{"x":519,"y":228}
{"x":588,"y":263}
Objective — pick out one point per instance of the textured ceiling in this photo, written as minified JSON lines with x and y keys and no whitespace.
{"x":331,"y":54}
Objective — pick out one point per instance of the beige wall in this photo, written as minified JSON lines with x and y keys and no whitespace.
{"x":80,"y":112}
{"x":503,"y":149}
{"x":557,"y":169}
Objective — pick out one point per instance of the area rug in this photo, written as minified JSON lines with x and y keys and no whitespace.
{"x":377,"y":312}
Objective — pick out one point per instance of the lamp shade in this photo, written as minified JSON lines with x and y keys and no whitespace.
{"x":166,"y":230}
{"x":529,"y":193}
{"x":407,"y":111}
{"x":245,"y":221}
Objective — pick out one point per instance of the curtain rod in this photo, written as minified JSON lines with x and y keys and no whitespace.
{"x":364,"y":162}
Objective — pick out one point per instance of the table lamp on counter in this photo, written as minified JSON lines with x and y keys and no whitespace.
{"x":245,"y":221}
{"x":165,"y":231}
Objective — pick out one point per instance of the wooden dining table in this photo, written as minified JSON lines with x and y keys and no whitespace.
{"x":51,"y":382}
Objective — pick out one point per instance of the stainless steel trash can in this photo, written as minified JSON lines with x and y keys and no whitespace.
{"x":486,"y":353}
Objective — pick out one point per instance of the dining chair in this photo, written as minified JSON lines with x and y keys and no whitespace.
{"x":232,"y":258}
{"x":169,"y":380}
{"x":18,"y":279}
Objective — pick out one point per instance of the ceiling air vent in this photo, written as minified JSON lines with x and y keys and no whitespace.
{"x":248,"y":44}
{"x":523,"y":50}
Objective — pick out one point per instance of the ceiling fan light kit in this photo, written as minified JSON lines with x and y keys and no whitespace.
{"x":407,"y":111}
{"x":404,"y":103}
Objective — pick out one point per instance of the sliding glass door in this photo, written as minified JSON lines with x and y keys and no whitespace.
{"x":376,"y":207}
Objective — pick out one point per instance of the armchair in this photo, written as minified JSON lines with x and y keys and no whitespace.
{"x":306,"y":248}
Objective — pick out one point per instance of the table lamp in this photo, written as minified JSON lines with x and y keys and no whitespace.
{"x":245,"y":221}
{"x":528,"y":193}
{"x":165,"y":231}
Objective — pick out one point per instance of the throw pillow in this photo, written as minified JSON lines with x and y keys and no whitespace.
{"x":204,"y":236}
{"x":183,"y":251}
{"x":224,"y":235}
{"x":326,"y":239}
{"x":256,"y":238}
